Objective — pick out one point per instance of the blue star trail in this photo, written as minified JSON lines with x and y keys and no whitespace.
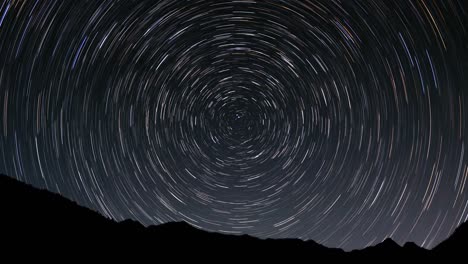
{"x":338,"y":121}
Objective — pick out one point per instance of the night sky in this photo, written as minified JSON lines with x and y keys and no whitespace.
{"x":344,"y":122}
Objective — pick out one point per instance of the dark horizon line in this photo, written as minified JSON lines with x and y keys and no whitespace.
{"x":387,"y":241}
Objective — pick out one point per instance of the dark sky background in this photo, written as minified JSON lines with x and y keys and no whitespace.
{"x":338,"y":121}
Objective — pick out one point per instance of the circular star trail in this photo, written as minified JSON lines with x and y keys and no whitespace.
{"x":338,"y":121}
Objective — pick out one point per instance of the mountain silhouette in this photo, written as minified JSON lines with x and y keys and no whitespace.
{"x":456,"y":244}
{"x":34,"y":220}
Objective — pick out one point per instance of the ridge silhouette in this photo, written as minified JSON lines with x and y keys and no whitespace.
{"x":37,"y":220}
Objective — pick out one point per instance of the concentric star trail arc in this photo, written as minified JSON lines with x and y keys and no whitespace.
{"x":338,"y":121}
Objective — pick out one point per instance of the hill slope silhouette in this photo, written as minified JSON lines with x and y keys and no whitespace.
{"x":34,"y":220}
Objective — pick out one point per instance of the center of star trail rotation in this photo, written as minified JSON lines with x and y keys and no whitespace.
{"x":338,"y":121}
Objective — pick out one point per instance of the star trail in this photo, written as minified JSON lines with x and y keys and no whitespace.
{"x":338,"y":121}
